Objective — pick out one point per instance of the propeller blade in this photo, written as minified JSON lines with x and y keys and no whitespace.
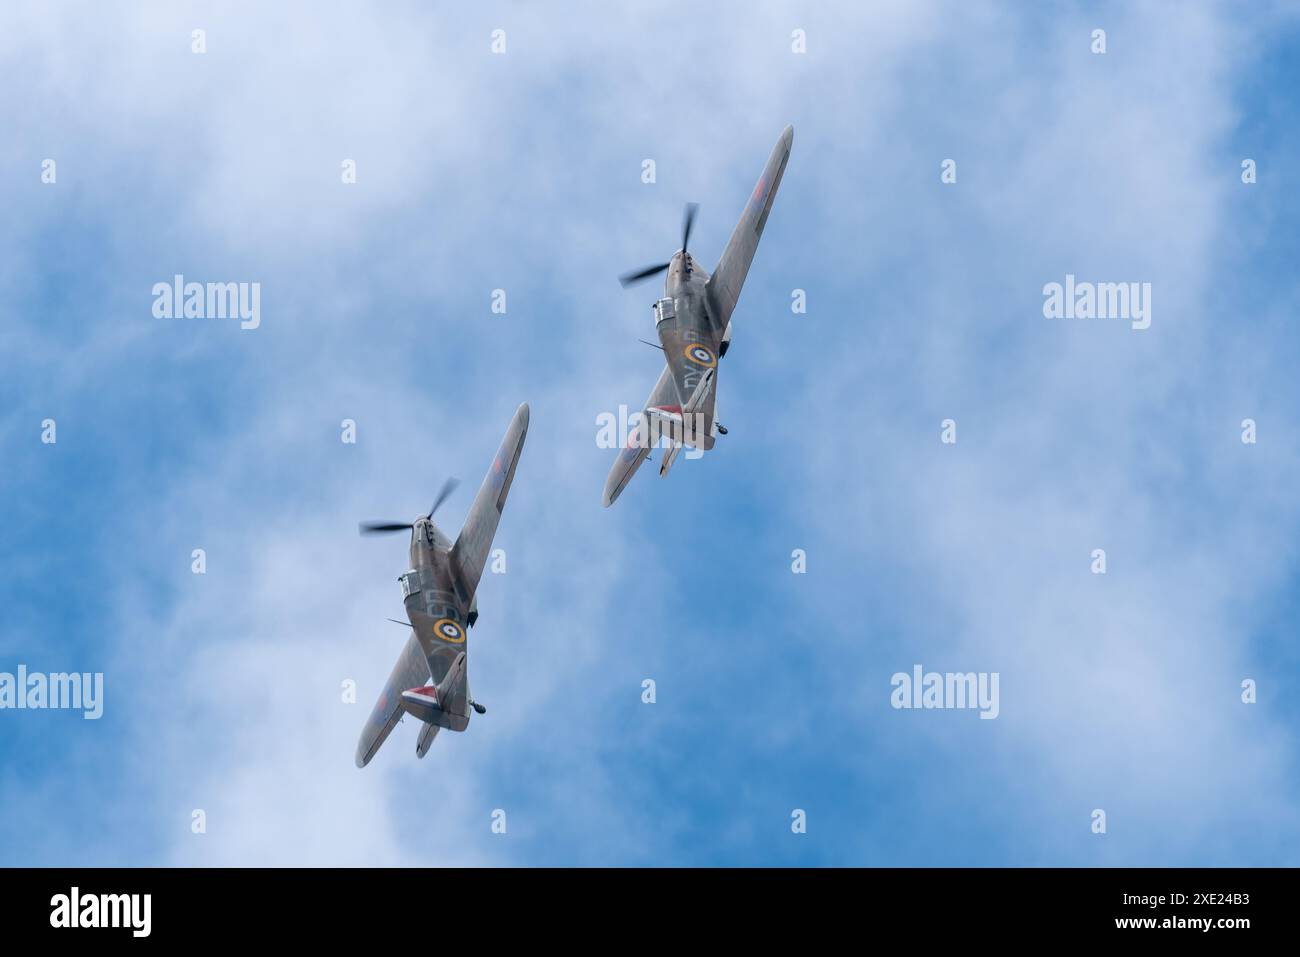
{"x":688,"y":220}
{"x":640,"y":275}
{"x":378,"y":528}
{"x":448,"y":487}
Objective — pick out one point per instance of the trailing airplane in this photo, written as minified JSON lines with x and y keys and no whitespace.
{"x":430,"y":681}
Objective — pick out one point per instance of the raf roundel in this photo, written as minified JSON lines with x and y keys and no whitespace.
{"x":448,"y":630}
{"x":700,"y":355}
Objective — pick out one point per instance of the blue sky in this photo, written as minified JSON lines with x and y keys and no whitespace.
{"x":522,"y":172}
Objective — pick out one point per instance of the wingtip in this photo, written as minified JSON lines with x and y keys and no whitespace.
{"x":521,"y":418}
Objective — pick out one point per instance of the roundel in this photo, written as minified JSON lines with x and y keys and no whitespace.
{"x":701,"y":355}
{"x":448,"y":630}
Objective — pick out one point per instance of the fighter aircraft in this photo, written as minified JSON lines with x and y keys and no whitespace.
{"x":429,"y":680}
{"x":693,"y":319}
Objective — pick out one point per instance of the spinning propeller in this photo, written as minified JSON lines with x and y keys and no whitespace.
{"x":640,"y":275}
{"x":379,"y":528}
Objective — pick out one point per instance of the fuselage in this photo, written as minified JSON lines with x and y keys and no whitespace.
{"x":686,"y":285}
{"x":431,"y":605}
{"x":429,"y":546}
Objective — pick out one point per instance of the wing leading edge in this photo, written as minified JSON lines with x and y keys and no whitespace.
{"x":634,"y":453}
{"x":725,"y":283}
{"x":410,"y":671}
{"x":470,"y":553}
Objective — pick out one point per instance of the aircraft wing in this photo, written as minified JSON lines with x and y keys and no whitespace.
{"x":470,"y":553}
{"x":411,"y":671}
{"x":634,"y":453}
{"x":725,"y":283}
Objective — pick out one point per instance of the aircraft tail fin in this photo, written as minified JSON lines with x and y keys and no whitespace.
{"x":445,"y":704}
{"x":691,"y":425}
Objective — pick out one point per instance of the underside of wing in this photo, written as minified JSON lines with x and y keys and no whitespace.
{"x":726,"y":282}
{"x":470,"y":553}
{"x":410,"y":671}
{"x":637,"y":448}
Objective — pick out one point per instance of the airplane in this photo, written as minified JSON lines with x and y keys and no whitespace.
{"x":439,"y":590}
{"x":693,"y":320}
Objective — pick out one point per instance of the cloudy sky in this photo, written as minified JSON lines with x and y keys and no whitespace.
{"x":522,"y":171}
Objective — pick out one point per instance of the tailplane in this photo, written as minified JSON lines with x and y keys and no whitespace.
{"x":690,"y":425}
{"x":427,"y":733}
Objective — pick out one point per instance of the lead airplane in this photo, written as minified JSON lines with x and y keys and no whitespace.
{"x":693,"y":320}
{"x":430,"y":681}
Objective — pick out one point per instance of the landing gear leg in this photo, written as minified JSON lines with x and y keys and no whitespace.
{"x":478,"y":707}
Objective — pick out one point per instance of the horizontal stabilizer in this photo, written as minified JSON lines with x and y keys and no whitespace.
{"x":669,"y":458}
{"x":686,"y":427}
{"x":427,"y":734}
{"x":422,"y":703}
